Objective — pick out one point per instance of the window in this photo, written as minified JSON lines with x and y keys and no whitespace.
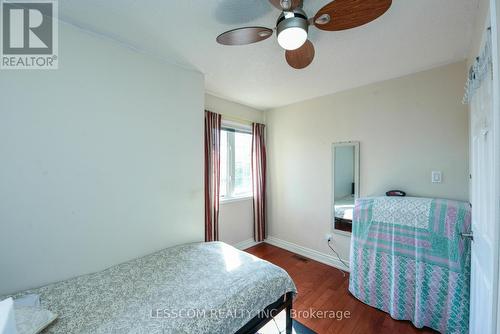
{"x":235,"y":161}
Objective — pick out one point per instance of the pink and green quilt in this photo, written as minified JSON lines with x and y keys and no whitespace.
{"x":409,"y":260}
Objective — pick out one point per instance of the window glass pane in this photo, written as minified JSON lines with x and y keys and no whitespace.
{"x":242,"y":164}
{"x":223,"y":164}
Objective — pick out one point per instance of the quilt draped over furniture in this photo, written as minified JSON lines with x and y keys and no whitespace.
{"x":409,"y":260}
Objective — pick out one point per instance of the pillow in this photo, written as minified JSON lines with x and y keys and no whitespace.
{"x":27,"y":300}
{"x":32,"y":320}
{"x":7,"y":317}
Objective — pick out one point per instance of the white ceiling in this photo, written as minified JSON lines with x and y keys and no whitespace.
{"x":413,"y":35}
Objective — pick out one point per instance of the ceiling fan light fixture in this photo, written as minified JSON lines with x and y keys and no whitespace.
{"x":292,"y":28}
{"x":293,"y":24}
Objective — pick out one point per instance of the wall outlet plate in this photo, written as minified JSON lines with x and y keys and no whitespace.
{"x":328,"y":236}
{"x":436,"y":177}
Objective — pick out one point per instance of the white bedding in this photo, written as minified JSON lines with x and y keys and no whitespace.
{"x":344,"y":207}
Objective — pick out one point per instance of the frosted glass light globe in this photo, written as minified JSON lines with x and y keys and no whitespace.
{"x":292,"y":38}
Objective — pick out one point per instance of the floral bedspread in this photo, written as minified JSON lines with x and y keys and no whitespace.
{"x":192,"y":288}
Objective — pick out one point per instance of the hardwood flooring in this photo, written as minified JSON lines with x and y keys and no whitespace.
{"x":324,"y":288}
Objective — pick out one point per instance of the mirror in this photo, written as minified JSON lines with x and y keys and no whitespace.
{"x":345,"y":184}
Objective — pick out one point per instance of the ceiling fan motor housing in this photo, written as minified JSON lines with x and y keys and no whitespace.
{"x":292,"y":29}
{"x":292,"y":19}
{"x":288,"y":19}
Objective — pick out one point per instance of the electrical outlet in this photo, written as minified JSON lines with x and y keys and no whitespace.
{"x":436,"y":176}
{"x":328,"y":237}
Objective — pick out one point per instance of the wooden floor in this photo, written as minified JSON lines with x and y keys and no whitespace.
{"x":322,"y":287}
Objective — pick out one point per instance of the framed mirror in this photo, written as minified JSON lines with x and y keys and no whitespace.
{"x":345,"y":184}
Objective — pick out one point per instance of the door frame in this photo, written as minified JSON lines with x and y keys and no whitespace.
{"x":495,"y":34}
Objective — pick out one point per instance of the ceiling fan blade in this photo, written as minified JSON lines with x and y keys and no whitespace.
{"x":301,"y":57}
{"x":348,"y":14}
{"x":293,"y":4}
{"x":243,"y":36}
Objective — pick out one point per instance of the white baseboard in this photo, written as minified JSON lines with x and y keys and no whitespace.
{"x":308,"y":252}
{"x":246,"y":244}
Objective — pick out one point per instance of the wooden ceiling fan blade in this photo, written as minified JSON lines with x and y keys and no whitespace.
{"x":348,"y":14}
{"x":243,"y":36}
{"x":293,"y":4}
{"x":301,"y":57}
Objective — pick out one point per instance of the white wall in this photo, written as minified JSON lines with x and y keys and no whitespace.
{"x":230,"y":109}
{"x":407,"y":127}
{"x":235,"y":218}
{"x":102,"y":161}
{"x":236,"y":221}
{"x":482,"y":21}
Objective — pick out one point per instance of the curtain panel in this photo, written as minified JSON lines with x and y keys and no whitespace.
{"x":212,"y":175}
{"x":259,"y":181}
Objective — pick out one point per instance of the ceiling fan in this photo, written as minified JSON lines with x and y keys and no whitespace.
{"x":293,"y":24}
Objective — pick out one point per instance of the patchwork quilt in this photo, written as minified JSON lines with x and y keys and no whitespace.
{"x":409,"y":260}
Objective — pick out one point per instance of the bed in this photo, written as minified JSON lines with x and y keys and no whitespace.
{"x":409,"y":260}
{"x":193,"y":288}
{"x":344,"y":207}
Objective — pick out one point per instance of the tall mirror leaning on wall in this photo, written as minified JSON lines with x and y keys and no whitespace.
{"x":345,"y":184}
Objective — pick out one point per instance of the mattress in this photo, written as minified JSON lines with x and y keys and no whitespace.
{"x":193,"y":288}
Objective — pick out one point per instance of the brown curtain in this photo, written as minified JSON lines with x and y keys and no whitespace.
{"x":259,"y":181}
{"x":212,"y":175}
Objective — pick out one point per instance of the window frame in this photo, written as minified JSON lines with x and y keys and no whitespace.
{"x":233,"y":127}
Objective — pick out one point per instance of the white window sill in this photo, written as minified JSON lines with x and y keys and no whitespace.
{"x":235,"y":199}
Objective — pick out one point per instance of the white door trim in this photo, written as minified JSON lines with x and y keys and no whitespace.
{"x":495,"y":33}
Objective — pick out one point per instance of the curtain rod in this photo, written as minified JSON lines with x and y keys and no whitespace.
{"x":237,"y":119}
